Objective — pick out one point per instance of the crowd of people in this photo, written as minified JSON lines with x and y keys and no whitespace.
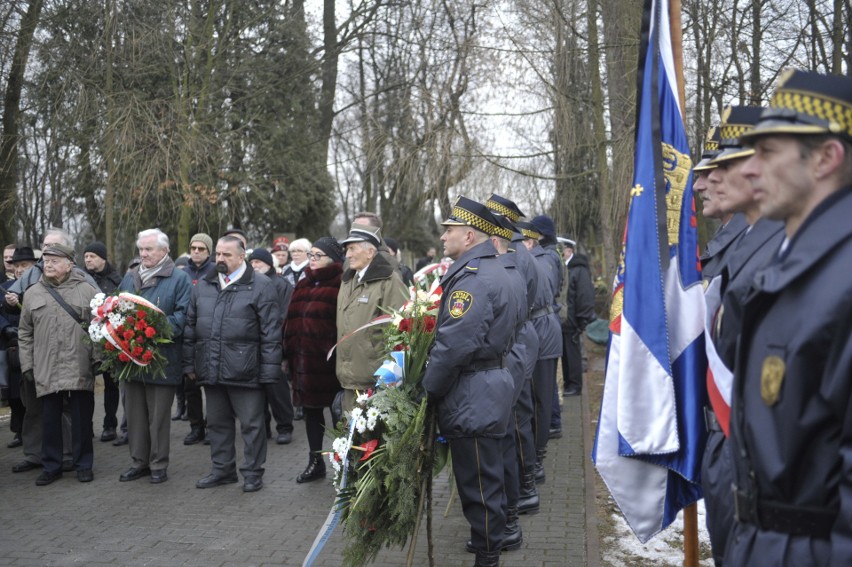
{"x":251,"y":333}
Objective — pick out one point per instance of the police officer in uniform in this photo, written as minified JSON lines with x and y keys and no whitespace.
{"x":791,"y":421}
{"x":549,"y":328}
{"x":466,"y":373}
{"x":528,"y":501}
{"x":752,"y":250}
{"x":732,"y":224}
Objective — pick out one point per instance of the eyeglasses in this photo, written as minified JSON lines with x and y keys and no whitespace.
{"x":317,"y":256}
{"x":197,"y":248}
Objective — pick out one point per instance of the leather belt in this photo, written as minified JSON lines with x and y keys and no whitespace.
{"x":535,"y":314}
{"x":784,"y":518}
{"x":711,"y":421}
{"x":484,"y":364}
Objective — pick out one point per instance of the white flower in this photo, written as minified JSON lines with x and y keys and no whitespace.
{"x":357,"y":412}
{"x":96,"y":332}
{"x":341,"y":447}
{"x":116,"y":319}
{"x":361,"y":424}
{"x":125,"y":305}
{"x":361,"y":400}
{"x":97,"y":301}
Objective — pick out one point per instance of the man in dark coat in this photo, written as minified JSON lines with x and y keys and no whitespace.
{"x":190,"y":400}
{"x":475,"y":330}
{"x":148,"y":397}
{"x":280,"y":404}
{"x":233,"y":348}
{"x":95,"y":258}
{"x":791,"y":420}
{"x":579,"y":304}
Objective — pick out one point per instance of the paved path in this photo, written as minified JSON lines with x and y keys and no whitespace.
{"x":174,"y":524}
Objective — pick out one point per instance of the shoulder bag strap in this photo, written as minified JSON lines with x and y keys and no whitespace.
{"x":70,"y":310}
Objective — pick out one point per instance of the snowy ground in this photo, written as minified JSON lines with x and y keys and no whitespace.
{"x":665,"y":549}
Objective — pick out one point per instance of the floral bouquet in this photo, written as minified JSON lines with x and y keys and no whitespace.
{"x":384,"y":452}
{"x":130,"y":329}
{"x":426,"y":276}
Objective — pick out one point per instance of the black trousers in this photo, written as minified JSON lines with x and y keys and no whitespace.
{"x":194,"y":402}
{"x":572,"y":359}
{"x":280,"y":404}
{"x":82,"y":406}
{"x":542,"y":383}
{"x":523,"y":428}
{"x":111,"y":399}
{"x":478,"y":468}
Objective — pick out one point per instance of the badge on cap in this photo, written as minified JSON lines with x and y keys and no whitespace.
{"x":460,"y":302}
{"x":771,"y":379}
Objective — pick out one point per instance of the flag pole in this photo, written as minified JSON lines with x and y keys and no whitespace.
{"x":690,"y":513}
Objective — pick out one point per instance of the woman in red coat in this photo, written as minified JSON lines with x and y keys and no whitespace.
{"x":309,"y":333}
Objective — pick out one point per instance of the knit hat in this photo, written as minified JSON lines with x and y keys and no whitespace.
{"x":205,"y":239}
{"x":281,"y":244}
{"x":263,"y":255}
{"x":544,"y":225}
{"x":330,"y":246}
{"x":98,"y":248}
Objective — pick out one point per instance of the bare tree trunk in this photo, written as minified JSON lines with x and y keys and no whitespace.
{"x":756,"y":38}
{"x":11,"y":112}
{"x":331,"y":52}
{"x":837,"y":38}
{"x":110,"y":148}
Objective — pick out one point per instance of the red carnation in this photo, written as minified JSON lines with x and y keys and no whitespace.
{"x":141,"y":325}
{"x":130,"y":321}
{"x":109,"y":346}
{"x":399,"y":347}
{"x":123,"y":357}
{"x":147,"y":356}
{"x":128,"y":334}
{"x":429,"y":323}
{"x":150,"y":332}
{"x":405,"y":325}
{"x":137,"y":351}
{"x":140,"y":314}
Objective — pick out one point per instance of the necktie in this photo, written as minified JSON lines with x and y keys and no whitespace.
{"x":227,"y":279}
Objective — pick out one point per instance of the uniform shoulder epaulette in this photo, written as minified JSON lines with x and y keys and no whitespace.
{"x":473,"y":265}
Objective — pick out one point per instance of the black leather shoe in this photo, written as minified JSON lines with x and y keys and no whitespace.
{"x":15,"y":442}
{"x":252,"y":484}
{"x":506,"y":546}
{"x":121,"y":440}
{"x":206,"y":440}
{"x":284,"y":438}
{"x":555,"y":433}
{"x":213,"y":479}
{"x":572,"y":392}
{"x":85,"y":475}
{"x":158,"y":476}
{"x":108,"y":434}
{"x":46,"y":478}
{"x":25,"y":466}
{"x":195,"y":435}
{"x":298,"y":413}
{"x":134,"y":473}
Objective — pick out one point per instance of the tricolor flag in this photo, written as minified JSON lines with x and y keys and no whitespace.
{"x":651,"y":432}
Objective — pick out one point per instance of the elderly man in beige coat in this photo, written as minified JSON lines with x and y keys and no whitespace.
{"x":55,"y":355}
{"x":370,"y":285}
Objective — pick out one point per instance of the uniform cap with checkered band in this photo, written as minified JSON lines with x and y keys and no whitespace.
{"x":467,"y":212}
{"x":807,"y":103}
{"x":736,"y":121}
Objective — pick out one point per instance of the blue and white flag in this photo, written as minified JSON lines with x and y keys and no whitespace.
{"x":651,"y":432}
{"x":392,"y":371}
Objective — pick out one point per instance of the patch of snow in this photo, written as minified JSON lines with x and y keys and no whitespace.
{"x":664,"y":549}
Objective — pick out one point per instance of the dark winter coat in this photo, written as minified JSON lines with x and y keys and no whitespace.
{"x":233,"y":335}
{"x":283,"y":290}
{"x":309,"y":333}
{"x":580,"y":295}
{"x":107,"y":279}
{"x":544,"y":318}
{"x":713,"y":259}
{"x":196,"y":273}
{"x":169,"y":290}
{"x":791,"y":416}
